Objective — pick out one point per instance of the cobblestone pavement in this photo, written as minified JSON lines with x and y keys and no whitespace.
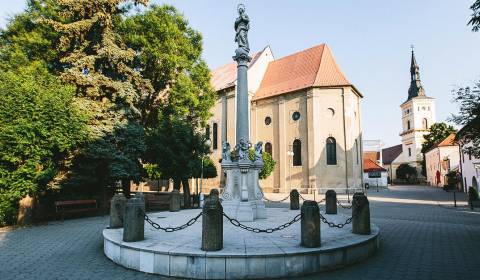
{"x":422,"y":237}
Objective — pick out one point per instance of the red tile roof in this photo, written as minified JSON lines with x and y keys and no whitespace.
{"x":312,"y":67}
{"x":226,"y":76}
{"x":374,"y":156}
{"x":370,"y":166}
{"x":449,"y":141}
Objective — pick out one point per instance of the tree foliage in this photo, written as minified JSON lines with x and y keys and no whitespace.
{"x":475,"y":19}
{"x":268,"y":165}
{"x":468,"y":99}
{"x":406,"y":171}
{"x":437,"y":133}
{"x":40,"y":125}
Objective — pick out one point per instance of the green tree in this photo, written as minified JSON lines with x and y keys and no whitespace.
{"x":268,"y":166}
{"x":436,"y":133}
{"x":40,"y":126}
{"x":97,"y":62}
{"x":468,"y":99}
{"x":406,"y":171}
{"x":475,"y":19}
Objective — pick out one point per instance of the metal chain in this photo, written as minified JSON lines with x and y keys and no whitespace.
{"x":276,"y":201}
{"x":236,"y":223}
{"x":332,"y":224}
{"x":321,"y":201}
{"x":170,"y":229}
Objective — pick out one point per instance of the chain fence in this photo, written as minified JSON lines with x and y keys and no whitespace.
{"x":276,"y":201}
{"x":332,"y":224}
{"x":236,"y":223}
{"x":170,"y":229}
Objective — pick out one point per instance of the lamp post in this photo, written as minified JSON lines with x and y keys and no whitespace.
{"x":290,"y":154}
{"x":207,"y":143}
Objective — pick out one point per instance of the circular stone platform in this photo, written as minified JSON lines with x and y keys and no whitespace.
{"x":245,"y":255}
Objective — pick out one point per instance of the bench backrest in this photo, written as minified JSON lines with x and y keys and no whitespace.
{"x":75,"y":202}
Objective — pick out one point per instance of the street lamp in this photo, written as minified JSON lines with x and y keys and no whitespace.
{"x":207,"y":143}
{"x":290,"y":154}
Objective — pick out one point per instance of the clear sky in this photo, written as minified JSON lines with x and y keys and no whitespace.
{"x":370,"y":40}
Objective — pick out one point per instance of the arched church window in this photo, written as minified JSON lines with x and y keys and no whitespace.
{"x":297,"y":152}
{"x":425,"y":123}
{"x":268,"y":148}
{"x":408,"y":125}
{"x":331,"y":151}
{"x":215,"y":136}
{"x":331,"y":112}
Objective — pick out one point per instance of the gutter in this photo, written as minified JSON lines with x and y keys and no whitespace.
{"x":345,"y":144}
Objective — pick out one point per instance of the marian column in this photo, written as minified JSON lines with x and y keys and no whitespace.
{"x":242,"y":197}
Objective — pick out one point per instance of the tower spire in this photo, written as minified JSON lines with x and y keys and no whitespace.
{"x":416,"y":88}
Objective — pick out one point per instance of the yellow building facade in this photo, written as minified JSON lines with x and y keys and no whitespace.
{"x":305,"y":112}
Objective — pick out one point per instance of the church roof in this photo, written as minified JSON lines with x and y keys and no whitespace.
{"x":391,"y":153}
{"x":370,"y":166}
{"x":226,"y":76}
{"x":315,"y":66}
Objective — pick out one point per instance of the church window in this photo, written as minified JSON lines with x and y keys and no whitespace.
{"x":330,"y":112}
{"x":409,"y":152}
{"x":408,"y":125}
{"x":297,"y":152}
{"x":215,"y":136}
{"x":425,"y":123}
{"x":296,"y":116}
{"x":268,"y":121}
{"x":331,"y":151}
{"x":268,"y":148}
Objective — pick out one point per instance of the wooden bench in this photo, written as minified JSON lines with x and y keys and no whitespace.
{"x":75,"y":206}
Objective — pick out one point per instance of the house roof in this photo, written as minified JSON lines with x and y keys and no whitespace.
{"x":226,"y":75}
{"x":391,"y":153}
{"x":372,"y":155}
{"x":448,"y":141}
{"x":315,"y":66}
{"x":370,"y":166}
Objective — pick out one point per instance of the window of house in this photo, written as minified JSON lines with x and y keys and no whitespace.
{"x":268,"y":147}
{"x":268,"y":120}
{"x":297,"y":152}
{"x":331,"y":151}
{"x":215,"y":136}
{"x":207,"y":131}
{"x":409,"y":152}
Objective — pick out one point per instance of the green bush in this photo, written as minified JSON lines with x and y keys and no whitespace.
{"x":472,"y":194}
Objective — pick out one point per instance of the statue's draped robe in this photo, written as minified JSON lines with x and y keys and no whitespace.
{"x":241,"y":26}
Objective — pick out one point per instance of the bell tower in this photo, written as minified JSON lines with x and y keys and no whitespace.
{"x":418,"y":114}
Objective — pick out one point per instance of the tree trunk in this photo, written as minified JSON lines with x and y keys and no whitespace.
{"x":186,"y":192}
{"x":126,"y":187}
{"x":176,"y":184}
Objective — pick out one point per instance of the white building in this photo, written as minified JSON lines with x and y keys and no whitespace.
{"x":441,"y":159}
{"x":373,"y":174}
{"x":470,"y":169}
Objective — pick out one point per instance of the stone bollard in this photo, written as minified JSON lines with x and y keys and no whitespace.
{"x":310,"y":224}
{"x":134,"y":221}
{"x":360,"y":214}
{"x":294,"y":200}
{"x":117,"y":210}
{"x":331,"y":202}
{"x":212,"y":223}
{"x":175,"y":201}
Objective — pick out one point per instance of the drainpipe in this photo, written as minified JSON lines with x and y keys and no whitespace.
{"x":345,"y":144}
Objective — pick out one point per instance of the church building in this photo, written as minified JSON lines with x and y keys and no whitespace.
{"x":418,"y":114}
{"x":307,"y":114}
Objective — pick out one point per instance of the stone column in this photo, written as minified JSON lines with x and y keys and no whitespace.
{"x":212,"y":223}
{"x":134,"y":222}
{"x":310,"y":224}
{"x":360,"y":214}
{"x":175,"y":201}
{"x":331,"y":202}
{"x":294,"y":200}
{"x":117,"y":210}
{"x":242,"y":131}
